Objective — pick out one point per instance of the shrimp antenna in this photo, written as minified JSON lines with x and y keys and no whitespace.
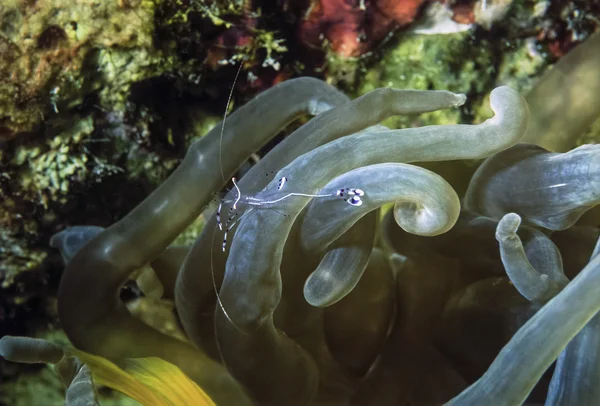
{"x":212,"y":269}
{"x":220,"y":303}
{"x":225,"y":114}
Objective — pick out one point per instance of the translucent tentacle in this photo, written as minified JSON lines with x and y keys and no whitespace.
{"x":30,"y":350}
{"x":425,"y":205}
{"x":521,"y":363}
{"x":90,"y":311}
{"x":551,"y":190}
{"x":425,"y":202}
{"x":343,"y":264}
{"x":357,"y":326}
{"x":535,"y":286}
{"x":578,"y":368}
{"x":347,"y":118}
{"x":251,"y":289}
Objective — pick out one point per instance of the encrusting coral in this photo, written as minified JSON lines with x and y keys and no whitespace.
{"x":319,"y":301}
{"x":45,"y":44}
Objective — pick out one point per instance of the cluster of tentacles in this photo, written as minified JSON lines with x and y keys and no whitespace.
{"x":448,"y":299}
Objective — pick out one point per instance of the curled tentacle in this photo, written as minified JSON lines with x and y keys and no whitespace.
{"x":88,"y":303}
{"x":425,"y":202}
{"x":534,"y":285}
{"x":425,"y":205}
{"x":343,"y":120}
{"x":456,"y":245}
{"x":251,"y":289}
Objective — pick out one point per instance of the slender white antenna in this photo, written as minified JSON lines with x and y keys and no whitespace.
{"x":225,"y":114}
{"x":353,"y":193}
{"x":253,"y":201}
{"x":212,"y":269}
{"x":220,"y":303}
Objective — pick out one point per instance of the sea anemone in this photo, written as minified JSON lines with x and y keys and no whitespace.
{"x":445,"y":299}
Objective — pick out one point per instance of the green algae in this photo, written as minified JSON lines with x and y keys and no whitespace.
{"x":46,"y":170}
{"x":432,"y":62}
{"x":40,"y":386}
{"x":191,"y":233}
{"x":592,"y":136}
{"x":16,"y":257}
{"x":461,"y":63}
{"x":50,"y":46}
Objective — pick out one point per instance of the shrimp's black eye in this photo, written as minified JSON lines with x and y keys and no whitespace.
{"x":355,"y":201}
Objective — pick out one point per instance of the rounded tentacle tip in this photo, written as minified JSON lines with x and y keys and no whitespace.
{"x":461,"y":99}
{"x":30,"y":350}
{"x":317,"y":292}
{"x":325,"y":287}
{"x":507,"y":227}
